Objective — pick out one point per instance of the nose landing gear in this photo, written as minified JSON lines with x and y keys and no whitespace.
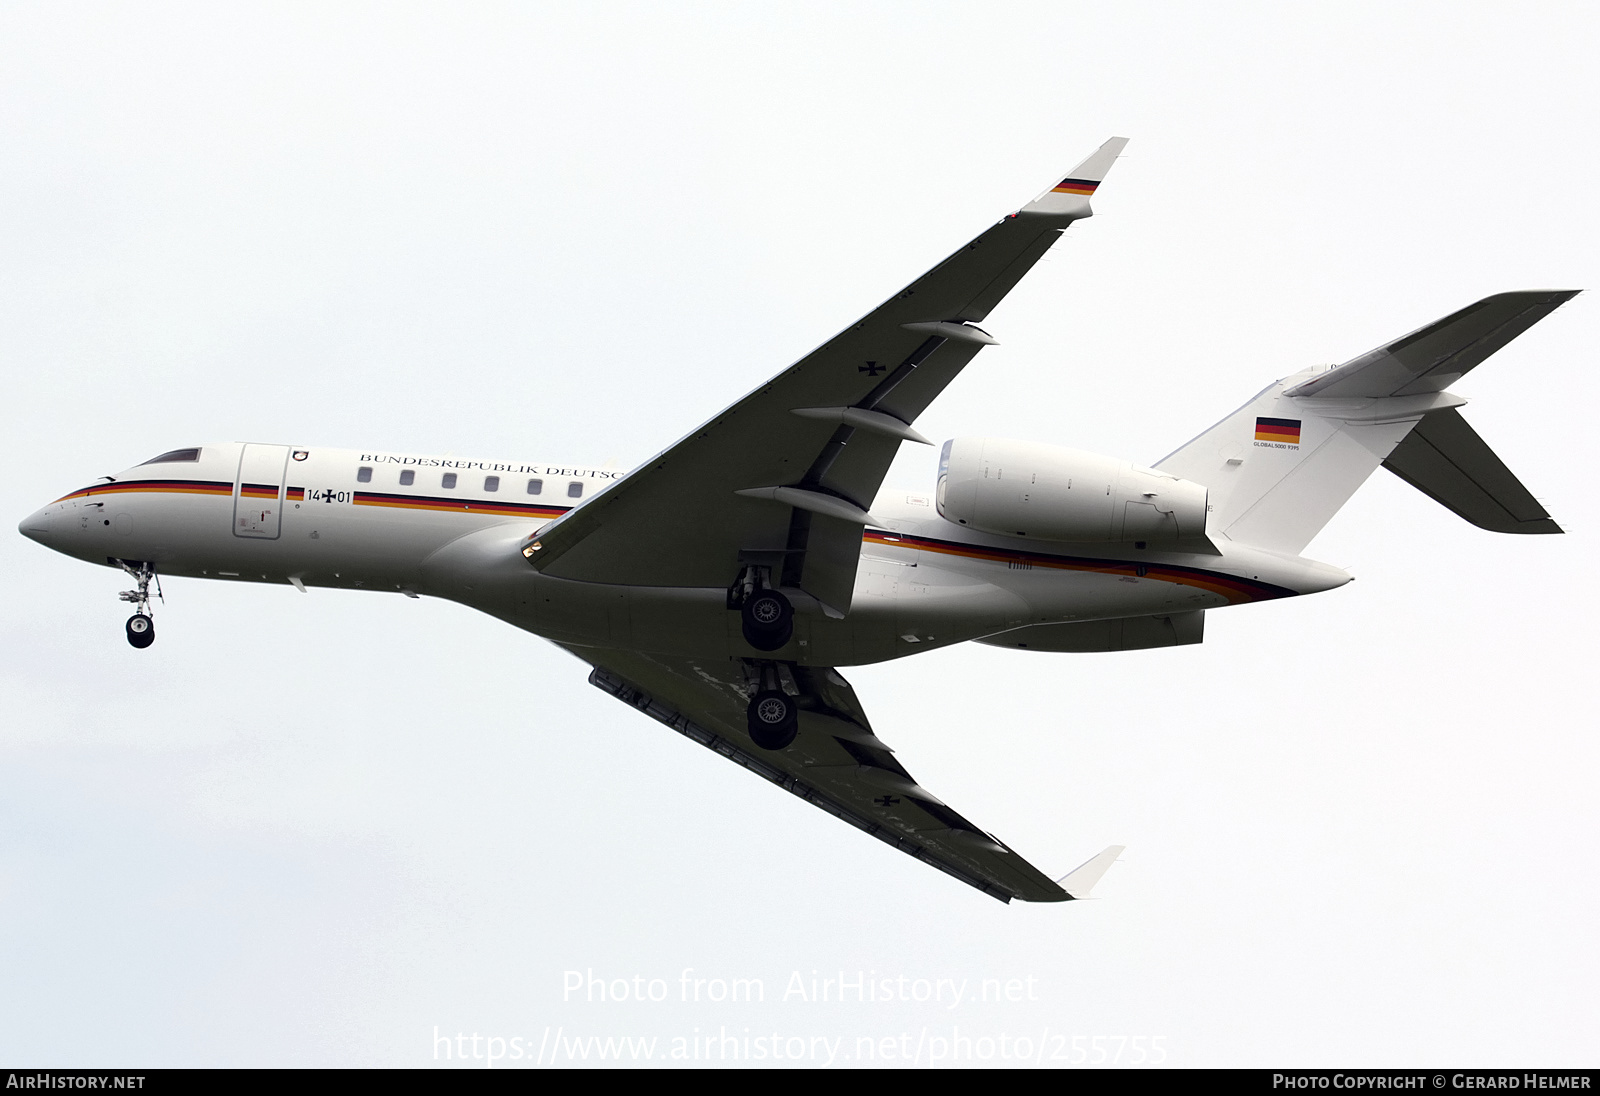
{"x":141,"y":629}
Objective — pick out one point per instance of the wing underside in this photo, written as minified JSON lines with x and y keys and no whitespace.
{"x":775,"y":489}
{"x":836,"y":763}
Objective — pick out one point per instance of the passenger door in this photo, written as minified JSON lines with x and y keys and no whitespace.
{"x":258,"y":491}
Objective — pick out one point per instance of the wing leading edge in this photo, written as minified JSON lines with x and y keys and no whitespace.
{"x":784,"y":476}
{"x":836,"y":763}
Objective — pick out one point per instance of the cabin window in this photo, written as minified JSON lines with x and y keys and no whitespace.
{"x":535,"y":486}
{"x":364,"y":475}
{"x":574,"y":490}
{"x":491,"y":483}
{"x":449,"y":481}
{"x":175,"y":456}
{"x":408,"y":477}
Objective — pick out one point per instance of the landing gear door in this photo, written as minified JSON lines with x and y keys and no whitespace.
{"x":258,"y":491}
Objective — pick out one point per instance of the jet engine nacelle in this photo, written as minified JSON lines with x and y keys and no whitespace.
{"x":1024,"y":489}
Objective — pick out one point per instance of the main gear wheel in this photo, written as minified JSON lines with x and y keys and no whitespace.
{"x":774,"y":719}
{"x":768,"y":620}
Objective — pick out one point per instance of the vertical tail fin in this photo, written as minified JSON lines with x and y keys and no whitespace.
{"x":1280,"y":467}
{"x":1283,"y":464}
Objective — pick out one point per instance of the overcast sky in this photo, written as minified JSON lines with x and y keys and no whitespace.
{"x":324,"y":829}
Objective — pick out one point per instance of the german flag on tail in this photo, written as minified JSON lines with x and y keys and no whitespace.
{"x":1284,"y":431}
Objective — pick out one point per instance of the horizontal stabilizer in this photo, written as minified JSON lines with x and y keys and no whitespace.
{"x":1432,"y":358}
{"x":1081,"y":880}
{"x":1446,"y":460}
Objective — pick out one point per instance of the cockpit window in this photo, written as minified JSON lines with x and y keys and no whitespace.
{"x":174,"y":456}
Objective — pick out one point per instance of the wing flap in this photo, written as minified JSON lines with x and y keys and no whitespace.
{"x":836,"y":762}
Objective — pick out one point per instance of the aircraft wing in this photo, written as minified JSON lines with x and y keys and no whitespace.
{"x":836,"y":762}
{"x":783,"y":478}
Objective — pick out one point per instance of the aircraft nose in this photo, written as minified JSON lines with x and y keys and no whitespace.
{"x":36,"y":526}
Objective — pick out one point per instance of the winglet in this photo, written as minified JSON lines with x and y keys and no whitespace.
{"x":1070,"y":197}
{"x":1081,"y":880}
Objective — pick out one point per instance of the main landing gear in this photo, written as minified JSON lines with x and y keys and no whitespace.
{"x":141,"y":628}
{"x":767,"y":620}
{"x":773,"y":716}
{"x":765,"y":615}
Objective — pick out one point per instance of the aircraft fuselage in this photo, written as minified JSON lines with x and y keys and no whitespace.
{"x":449,"y":528}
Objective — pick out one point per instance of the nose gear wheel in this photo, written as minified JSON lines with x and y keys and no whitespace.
{"x":141,"y":630}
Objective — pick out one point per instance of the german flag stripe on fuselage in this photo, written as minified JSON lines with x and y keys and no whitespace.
{"x":175,"y":487}
{"x":224,"y":489}
{"x":1075,"y":186}
{"x":1237,"y":590}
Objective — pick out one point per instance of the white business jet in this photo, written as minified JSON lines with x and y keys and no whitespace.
{"x":718,"y":585}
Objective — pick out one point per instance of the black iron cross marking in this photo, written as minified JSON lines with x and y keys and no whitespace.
{"x":872,"y":369}
{"x":887,"y":800}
